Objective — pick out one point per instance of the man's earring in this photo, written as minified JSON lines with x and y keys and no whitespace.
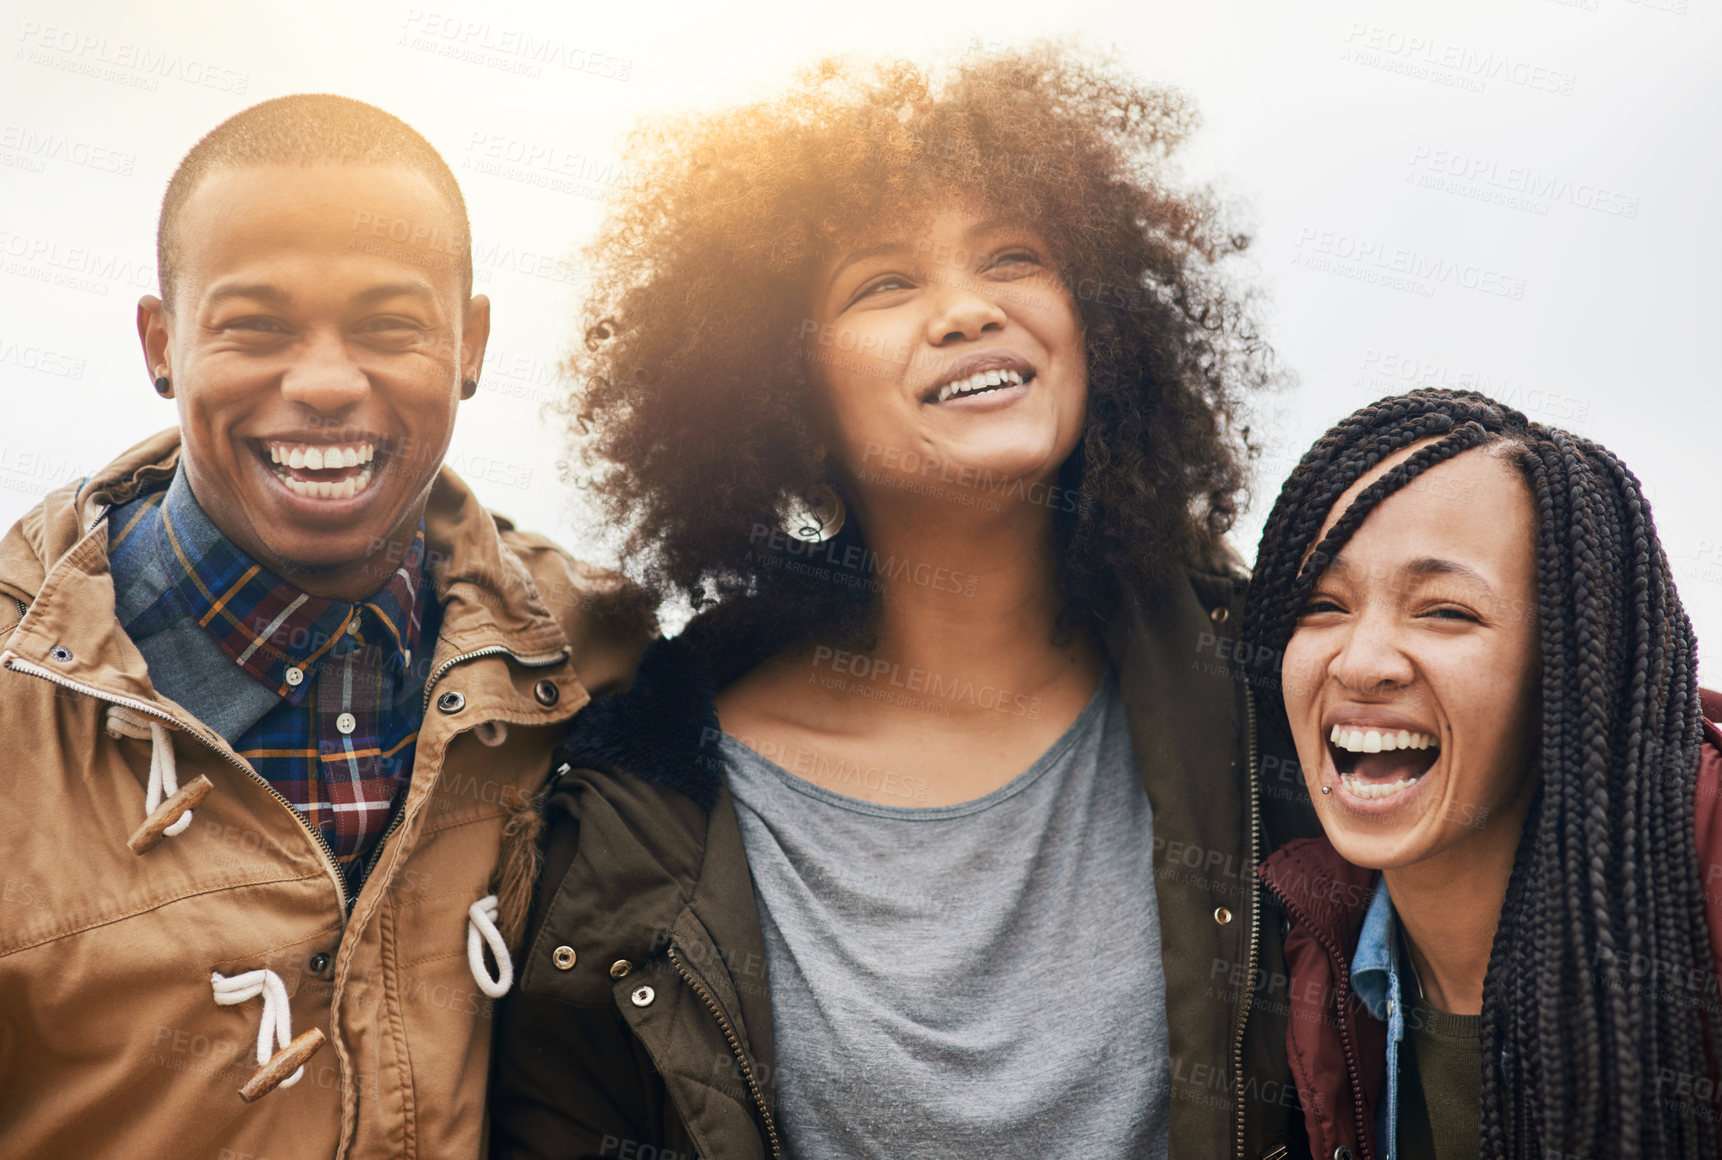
{"x":468,"y":388}
{"x":164,"y":386}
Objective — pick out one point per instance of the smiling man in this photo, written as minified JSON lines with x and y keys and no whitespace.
{"x":278,"y":692}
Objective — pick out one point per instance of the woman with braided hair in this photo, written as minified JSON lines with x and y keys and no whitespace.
{"x":1465,"y":625}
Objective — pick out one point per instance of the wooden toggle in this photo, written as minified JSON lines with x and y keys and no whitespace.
{"x":150,"y":832}
{"x":283,"y":1064}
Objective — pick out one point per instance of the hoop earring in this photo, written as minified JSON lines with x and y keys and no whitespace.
{"x":818,"y":517}
{"x":164,"y":386}
{"x":468,"y":388}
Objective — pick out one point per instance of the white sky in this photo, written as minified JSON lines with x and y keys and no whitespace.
{"x":1356,"y":137}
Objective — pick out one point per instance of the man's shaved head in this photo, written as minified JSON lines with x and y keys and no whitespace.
{"x":307,"y":129}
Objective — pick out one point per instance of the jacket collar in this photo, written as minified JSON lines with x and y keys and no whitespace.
{"x":663,"y":729}
{"x":55,"y":561}
{"x":1321,"y":890}
{"x":1374,"y":969}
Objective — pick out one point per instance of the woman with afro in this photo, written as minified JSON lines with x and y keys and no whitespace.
{"x":934,"y":831}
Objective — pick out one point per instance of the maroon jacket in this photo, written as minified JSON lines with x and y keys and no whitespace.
{"x":1336,"y":1049}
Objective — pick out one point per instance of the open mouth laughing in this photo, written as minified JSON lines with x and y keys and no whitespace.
{"x":321,"y":471}
{"x":1377,"y":764}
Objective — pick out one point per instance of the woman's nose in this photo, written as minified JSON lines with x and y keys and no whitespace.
{"x":1370,"y":657}
{"x":962,"y":311}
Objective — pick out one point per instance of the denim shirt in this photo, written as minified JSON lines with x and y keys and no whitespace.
{"x":1375,"y":978}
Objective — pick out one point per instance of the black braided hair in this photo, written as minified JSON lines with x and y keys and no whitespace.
{"x":1600,"y":994}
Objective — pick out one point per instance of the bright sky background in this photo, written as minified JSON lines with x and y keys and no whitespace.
{"x":1347,"y":133}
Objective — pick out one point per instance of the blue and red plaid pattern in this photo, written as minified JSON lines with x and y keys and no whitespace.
{"x":347,"y":678}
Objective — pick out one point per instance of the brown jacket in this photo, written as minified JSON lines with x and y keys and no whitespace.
{"x":111,"y":1043}
{"x":1338,"y":1050}
{"x":643,"y":1027}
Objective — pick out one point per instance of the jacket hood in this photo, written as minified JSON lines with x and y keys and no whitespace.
{"x":662,"y":729}
{"x":51,"y":529}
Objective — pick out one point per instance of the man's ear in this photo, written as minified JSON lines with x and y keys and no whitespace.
{"x":474,"y":336}
{"x":152,"y":333}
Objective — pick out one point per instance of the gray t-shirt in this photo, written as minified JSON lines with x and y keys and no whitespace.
{"x":981,"y":979}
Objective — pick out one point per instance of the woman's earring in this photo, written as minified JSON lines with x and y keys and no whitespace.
{"x":817,"y":517}
{"x":468,"y":388}
{"x":164,"y":386}
{"x":1327,"y":789}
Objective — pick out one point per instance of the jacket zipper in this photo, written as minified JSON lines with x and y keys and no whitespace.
{"x":1255,"y":925}
{"x":19,"y":665}
{"x":488,"y":650}
{"x":540,"y":661}
{"x":711,"y":1003}
{"x":1342,"y":994}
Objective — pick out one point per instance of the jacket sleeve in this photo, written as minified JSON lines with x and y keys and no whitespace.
{"x":568,"y":1081}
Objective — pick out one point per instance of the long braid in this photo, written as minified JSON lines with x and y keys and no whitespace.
{"x":1576,"y":1042}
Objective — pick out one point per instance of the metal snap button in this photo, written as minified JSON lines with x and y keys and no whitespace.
{"x":563,"y":957}
{"x":295,"y":676}
{"x":1220,"y":615}
{"x":60,"y":653}
{"x":346,"y":723}
{"x":1343,"y":1152}
{"x":643,"y":997}
{"x":1222,"y":916}
{"x":319,"y":963}
{"x":620,"y":967}
{"x":547,"y":693}
{"x":451,"y":702}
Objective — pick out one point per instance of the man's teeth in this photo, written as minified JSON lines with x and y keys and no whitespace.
{"x":1378,"y":741}
{"x":324,"y":489}
{"x":1374,"y":789}
{"x":979,"y":381}
{"x":290,"y":457}
{"x":321,"y":456}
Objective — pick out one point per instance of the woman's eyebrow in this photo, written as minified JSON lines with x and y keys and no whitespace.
{"x":1425,"y":566}
{"x":862,"y":255}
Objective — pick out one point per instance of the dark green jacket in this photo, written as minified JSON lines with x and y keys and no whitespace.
{"x":642,"y":1026}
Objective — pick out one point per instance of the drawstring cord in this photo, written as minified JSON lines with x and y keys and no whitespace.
{"x":163,"y":799}
{"x":481,"y":923}
{"x":163,"y":778}
{"x":276,"y":1025}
